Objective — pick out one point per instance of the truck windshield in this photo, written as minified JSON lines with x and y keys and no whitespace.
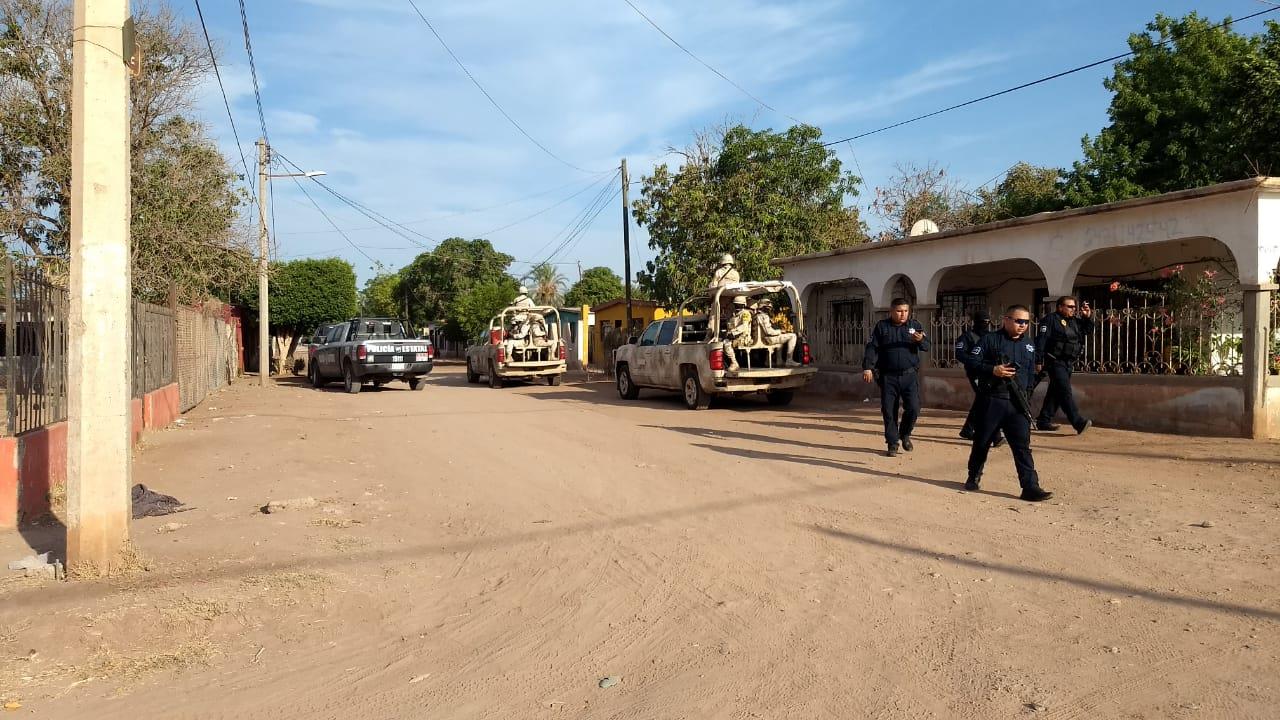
{"x":379,"y":330}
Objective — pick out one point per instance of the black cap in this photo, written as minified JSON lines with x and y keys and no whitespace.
{"x":981,"y":317}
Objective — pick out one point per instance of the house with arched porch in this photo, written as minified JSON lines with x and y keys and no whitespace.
{"x":1183,"y":286}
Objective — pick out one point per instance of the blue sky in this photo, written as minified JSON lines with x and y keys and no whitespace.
{"x":362,"y":90}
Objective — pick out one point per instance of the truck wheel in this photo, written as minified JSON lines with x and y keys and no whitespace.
{"x":626,"y":386}
{"x":494,"y":381}
{"x":473,"y":377}
{"x":695,"y":398}
{"x":780,"y":398}
{"x":313,"y":376}
{"x":350,"y":382}
{"x":553,"y":380}
{"x":417,"y":383}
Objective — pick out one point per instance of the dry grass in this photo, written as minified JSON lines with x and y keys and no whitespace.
{"x":287,"y":582}
{"x":340,"y":523}
{"x":349,"y":544}
{"x":188,"y":610}
{"x":108,"y":664}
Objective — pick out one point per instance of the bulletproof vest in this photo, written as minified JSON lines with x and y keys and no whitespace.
{"x":1064,"y":339}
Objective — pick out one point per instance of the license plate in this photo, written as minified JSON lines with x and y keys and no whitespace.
{"x":397,"y":358}
{"x":397,"y":366}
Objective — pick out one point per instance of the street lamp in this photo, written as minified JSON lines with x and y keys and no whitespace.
{"x":264,"y":301}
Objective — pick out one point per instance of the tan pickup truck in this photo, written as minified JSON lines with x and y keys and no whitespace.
{"x":687,"y":352}
{"x":522,"y":343}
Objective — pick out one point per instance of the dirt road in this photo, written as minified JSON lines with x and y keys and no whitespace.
{"x":481,"y":553}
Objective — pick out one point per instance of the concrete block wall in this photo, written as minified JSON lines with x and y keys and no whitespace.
{"x":33,"y":465}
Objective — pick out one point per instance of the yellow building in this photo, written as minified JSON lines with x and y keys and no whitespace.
{"x":613,"y":315}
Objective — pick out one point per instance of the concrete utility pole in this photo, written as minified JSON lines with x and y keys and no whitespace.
{"x":264,"y":301}
{"x":626,"y":242}
{"x":99,"y":451}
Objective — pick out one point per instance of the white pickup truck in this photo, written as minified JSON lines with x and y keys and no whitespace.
{"x":522,"y":343}
{"x":687,"y":352}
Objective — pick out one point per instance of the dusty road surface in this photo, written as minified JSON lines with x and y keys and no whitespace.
{"x":479,"y":553}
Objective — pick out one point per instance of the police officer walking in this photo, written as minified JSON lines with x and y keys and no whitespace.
{"x":894,"y":353}
{"x":1004,"y":363}
{"x":967,"y":341}
{"x":1058,"y":344}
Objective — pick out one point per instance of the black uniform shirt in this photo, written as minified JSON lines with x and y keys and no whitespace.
{"x":995,"y":349}
{"x":891,"y":348}
{"x":965,"y":343}
{"x":1062,"y":337}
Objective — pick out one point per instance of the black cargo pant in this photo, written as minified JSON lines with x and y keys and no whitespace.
{"x":899,"y":392}
{"x":996,"y":414}
{"x":971,"y":420}
{"x":1059,"y":396}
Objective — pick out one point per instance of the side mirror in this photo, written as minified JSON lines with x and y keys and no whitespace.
{"x":633,"y":340}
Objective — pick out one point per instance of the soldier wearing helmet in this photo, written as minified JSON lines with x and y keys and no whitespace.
{"x":725,"y":273}
{"x":774,"y":337}
{"x":738,"y":334}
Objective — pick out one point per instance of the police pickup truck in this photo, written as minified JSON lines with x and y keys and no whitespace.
{"x":688,"y":352}
{"x":369,"y":350}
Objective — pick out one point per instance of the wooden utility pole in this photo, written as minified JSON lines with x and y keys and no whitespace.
{"x":264,"y":300}
{"x":99,"y":387}
{"x":626,"y":243}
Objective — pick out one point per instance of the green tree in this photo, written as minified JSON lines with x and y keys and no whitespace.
{"x":471,"y":311}
{"x":1025,"y":190}
{"x":382,"y":296}
{"x":598,"y":285}
{"x":755,"y":194}
{"x":546,"y":284}
{"x":917,"y":193}
{"x":435,"y":278}
{"x":1195,"y":105}
{"x":305,"y":294}
{"x":184,"y":204}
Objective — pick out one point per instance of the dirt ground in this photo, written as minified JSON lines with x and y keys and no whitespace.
{"x":481,"y":553}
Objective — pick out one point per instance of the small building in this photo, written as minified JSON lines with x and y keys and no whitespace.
{"x":1183,"y":286}
{"x":610,"y":317}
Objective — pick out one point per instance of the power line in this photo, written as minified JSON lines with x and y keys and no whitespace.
{"x":1047,"y":78}
{"x":581,"y":231}
{"x":331,"y":222}
{"x":500,"y":109}
{"x":579,"y":224}
{"x":248,"y":174}
{"x":708,"y":66}
{"x":449,"y":215}
{"x":592,"y":184}
{"x":253,"y":71}
{"x":574,"y":220}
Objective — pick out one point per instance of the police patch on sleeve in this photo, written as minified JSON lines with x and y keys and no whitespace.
{"x":1030,"y":347}
{"x":976,"y":350}
{"x":1044,"y":328}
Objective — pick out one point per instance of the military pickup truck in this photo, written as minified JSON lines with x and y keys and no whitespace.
{"x":522,"y":343}
{"x":688,"y":352}
{"x":369,"y":350}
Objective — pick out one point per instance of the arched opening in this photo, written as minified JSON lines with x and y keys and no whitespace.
{"x":1171,"y":307}
{"x":991,"y":286}
{"x":899,"y":286}
{"x":837,"y":318}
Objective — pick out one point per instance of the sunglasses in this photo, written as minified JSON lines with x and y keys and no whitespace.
{"x":1069,"y":307}
{"x":1018,"y":321}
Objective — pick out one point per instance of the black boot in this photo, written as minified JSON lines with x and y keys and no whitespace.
{"x":1035,"y":493}
{"x":1083,"y":425}
{"x":1046,"y":426}
{"x":892,"y":451}
{"x":906,"y":443}
{"x":998,"y":441}
{"x":966,"y":432}
{"x":972,"y":483}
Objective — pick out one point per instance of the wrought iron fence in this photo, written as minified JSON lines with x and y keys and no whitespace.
{"x":153,"y":347}
{"x":838,"y":342}
{"x":1130,"y":338}
{"x":35,"y":350}
{"x":1273,"y":345}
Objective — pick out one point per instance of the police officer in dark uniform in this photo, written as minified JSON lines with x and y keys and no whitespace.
{"x":893,"y":352}
{"x":967,"y":341}
{"x":1001,"y":357}
{"x":1058,"y":344}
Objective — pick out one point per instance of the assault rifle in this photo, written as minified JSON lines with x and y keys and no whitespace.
{"x":1017,"y":393}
